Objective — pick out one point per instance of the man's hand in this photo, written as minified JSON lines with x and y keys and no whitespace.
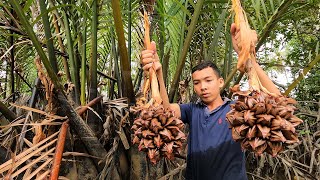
{"x":150,"y":58}
{"x":236,"y":38}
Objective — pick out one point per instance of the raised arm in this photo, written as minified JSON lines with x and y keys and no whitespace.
{"x":150,"y":59}
{"x":265,"y":80}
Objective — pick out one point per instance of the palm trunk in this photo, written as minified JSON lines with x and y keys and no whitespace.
{"x":7,"y":113}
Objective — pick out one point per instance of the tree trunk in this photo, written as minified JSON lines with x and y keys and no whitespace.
{"x":86,"y":135}
{"x":7,"y":113}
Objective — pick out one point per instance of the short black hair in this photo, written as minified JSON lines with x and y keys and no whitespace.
{"x":205,"y":64}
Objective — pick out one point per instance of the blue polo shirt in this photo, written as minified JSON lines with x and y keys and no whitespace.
{"x":212,"y":153}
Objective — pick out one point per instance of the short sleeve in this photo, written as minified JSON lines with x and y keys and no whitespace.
{"x":186,"y":112}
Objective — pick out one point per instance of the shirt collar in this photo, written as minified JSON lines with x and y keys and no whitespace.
{"x":225,"y":101}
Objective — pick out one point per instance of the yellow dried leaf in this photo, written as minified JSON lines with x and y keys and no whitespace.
{"x":248,"y":40}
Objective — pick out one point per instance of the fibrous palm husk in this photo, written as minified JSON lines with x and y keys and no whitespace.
{"x":260,"y":120}
{"x":156,"y":130}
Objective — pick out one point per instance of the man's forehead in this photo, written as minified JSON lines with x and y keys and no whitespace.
{"x":203,"y":77}
{"x":203,"y":74}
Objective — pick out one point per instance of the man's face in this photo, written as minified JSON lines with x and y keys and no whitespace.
{"x":207,"y":84}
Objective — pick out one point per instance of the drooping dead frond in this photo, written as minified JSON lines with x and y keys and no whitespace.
{"x":38,"y":153}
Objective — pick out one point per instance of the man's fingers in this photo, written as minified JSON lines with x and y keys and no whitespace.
{"x":153,"y":46}
{"x":157,"y":65}
{"x":233,"y":28}
{"x":255,"y":35}
{"x":237,"y":36}
{"x":146,"y":55}
{"x":156,"y":57}
{"x":147,"y":60}
{"x":147,"y":66}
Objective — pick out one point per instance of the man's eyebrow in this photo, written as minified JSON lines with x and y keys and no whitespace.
{"x":207,"y":77}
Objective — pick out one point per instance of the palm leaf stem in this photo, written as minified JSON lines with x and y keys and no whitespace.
{"x":93,"y":61}
{"x":74,"y":65}
{"x":124,"y":60}
{"x":47,"y":32}
{"x":183,"y":55}
{"x":302,"y":75}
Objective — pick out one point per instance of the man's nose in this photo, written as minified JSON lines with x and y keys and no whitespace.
{"x":203,"y":86}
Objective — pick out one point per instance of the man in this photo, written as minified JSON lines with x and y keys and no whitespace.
{"x":212,"y":153}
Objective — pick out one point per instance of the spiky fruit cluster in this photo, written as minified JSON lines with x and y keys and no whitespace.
{"x":158,"y":133}
{"x":263,"y":123}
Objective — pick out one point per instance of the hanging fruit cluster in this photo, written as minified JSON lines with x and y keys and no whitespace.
{"x":260,"y":120}
{"x":156,"y":130}
{"x":158,"y":133}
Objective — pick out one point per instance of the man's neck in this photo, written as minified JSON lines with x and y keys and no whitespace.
{"x":214,"y":104}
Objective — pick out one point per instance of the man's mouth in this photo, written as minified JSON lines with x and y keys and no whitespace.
{"x":205,"y":95}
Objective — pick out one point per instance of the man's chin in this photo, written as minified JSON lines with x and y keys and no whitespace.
{"x":205,"y":100}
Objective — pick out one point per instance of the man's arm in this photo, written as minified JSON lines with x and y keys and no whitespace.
{"x":264,"y":78}
{"x":150,"y":59}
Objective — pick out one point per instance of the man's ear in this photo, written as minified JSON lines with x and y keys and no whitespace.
{"x":221,"y":82}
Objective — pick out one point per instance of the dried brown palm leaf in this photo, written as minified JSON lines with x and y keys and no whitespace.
{"x":25,"y":155}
